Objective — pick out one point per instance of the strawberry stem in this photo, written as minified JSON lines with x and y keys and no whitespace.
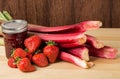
{"x":17,"y":60}
{"x":26,"y":50}
{"x":12,"y":52}
{"x":50,"y":42}
{"x":37,"y":51}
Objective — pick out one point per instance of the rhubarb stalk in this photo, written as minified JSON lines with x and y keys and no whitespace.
{"x":83,"y":26}
{"x":80,"y":42}
{"x":81,"y":52}
{"x":93,"y":41}
{"x":105,"y":52}
{"x":61,"y":38}
{"x":91,"y":25}
{"x":38,"y":28}
{"x":75,"y":60}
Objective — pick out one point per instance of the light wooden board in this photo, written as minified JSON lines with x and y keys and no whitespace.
{"x":103,"y":69}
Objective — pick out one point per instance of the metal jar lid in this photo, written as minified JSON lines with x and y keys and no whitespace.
{"x":14,"y":26}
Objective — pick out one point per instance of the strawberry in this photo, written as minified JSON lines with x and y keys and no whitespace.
{"x":40,"y":60}
{"x":19,"y":52}
{"x":32,"y":43}
{"x":51,"y":51}
{"x":25,"y":65}
{"x":11,"y":63}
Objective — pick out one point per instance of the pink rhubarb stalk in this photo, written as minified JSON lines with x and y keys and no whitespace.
{"x":91,"y":25}
{"x":81,"y":52}
{"x":38,"y":28}
{"x":61,"y":38}
{"x":80,"y":42}
{"x":83,"y":26}
{"x":91,"y":40}
{"x":75,"y":60}
{"x":105,"y":52}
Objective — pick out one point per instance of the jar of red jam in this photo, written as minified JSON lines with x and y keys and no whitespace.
{"x":14,"y":32}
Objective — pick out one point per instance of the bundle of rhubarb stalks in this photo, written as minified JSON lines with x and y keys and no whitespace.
{"x":74,"y":45}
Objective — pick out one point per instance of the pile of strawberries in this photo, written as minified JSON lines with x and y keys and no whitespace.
{"x":24,"y":60}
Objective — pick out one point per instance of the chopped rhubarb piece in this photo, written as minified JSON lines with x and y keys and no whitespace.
{"x":81,"y":52}
{"x":75,"y":60}
{"x":105,"y":52}
{"x":93,"y":41}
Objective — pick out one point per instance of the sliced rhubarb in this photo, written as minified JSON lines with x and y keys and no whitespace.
{"x":75,"y":60}
{"x":81,"y":52}
{"x":105,"y":52}
{"x":61,"y":38}
{"x":93,"y":41}
{"x":83,"y":26}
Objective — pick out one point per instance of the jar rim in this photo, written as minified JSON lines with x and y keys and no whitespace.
{"x":14,"y":26}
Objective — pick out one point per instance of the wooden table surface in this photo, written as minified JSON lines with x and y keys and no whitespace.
{"x":103,"y":69}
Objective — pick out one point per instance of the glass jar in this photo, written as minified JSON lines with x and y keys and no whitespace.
{"x":14,"y":33}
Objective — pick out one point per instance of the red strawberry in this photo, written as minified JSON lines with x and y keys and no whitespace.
{"x":40,"y":59}
{"x":32,"y":43}
{"x":25,"y":65}
{"x":11,"y":63}
{"x":19,"y":52}
{"x":51,"y":51}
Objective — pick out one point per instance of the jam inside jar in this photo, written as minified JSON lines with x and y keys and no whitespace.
{"x":14,"y":32}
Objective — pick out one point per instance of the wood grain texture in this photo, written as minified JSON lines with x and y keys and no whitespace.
{"x":60,"y":12}
{"x":64,"y":12}
{"x":115,"y":13}
{"x":93,"y":10}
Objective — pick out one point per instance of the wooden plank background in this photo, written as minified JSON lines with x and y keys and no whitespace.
{"x":64,"y":12}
